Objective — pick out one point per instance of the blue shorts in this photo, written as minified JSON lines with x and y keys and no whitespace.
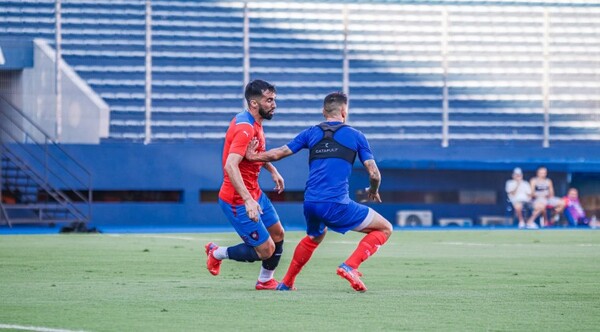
{"x":252,"y":233}
{"x":339,"y":217}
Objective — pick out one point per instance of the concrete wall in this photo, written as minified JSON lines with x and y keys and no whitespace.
{"x":12,"y":92}
{"x":194,"y":166}
{"x":85,"y":116}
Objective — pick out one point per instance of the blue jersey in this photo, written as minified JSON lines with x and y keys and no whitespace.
{"x":328,"y":178}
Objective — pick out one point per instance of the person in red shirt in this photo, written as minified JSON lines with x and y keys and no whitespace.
{"x":247,"y":208}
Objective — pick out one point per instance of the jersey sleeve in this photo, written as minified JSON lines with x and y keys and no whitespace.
{"x":242,"y":134}
{"x":299,"y":142}
{"x":364,"y":149}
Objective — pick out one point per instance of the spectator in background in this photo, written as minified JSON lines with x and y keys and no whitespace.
{"x":543,"y":198}
{"x":573,"y":210}
{"x":519,"y":194}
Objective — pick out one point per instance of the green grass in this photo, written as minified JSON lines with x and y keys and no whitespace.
{"x":433,"y":280}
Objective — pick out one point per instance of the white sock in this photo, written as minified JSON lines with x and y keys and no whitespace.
{"x":220,"y":253}
{"x":265,"y":275}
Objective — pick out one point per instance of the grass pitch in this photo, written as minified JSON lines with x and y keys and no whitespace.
{"x":420,"y":280}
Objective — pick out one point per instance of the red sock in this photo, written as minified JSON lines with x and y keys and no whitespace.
{"x":302,"y":254}
{"x":366,"y":247}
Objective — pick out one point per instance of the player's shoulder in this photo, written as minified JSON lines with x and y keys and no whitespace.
{"x":352,"y":131}
{"x":243,"y":117}
{"x":349,"y":127}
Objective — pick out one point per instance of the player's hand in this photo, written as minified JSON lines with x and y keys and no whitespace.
{"x":279,"y":182}
{"x":252,"y":209}
{"x":251,"y":152}
{"x":373,"y":196}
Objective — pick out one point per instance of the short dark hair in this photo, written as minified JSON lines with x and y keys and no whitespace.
{"x":256,"y":88}
{"x":334,"y":101}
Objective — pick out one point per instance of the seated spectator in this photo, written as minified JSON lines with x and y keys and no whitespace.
{"x":573,"y":210}
{"x":10,"y":197}
{"x":519,"y":194}
{"x":543,"y":198}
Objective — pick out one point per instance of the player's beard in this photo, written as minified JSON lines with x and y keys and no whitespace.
{"x":264,"y":114}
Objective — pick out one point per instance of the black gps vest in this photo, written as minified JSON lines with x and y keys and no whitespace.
{"x":327,"y":147}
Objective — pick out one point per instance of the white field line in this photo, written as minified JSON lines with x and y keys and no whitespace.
{"x":342,"y":242}
{"x":468,"y":244}
{"x":474,"y":244}
{"x":34,"y":328}
{"x":170,"y":237}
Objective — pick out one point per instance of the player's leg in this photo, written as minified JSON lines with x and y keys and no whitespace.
{"x":378,"y":231}
{"x":257,"y":244}
{"x":315,"y":230}
{"x":360,"y":218}
{"x":302,"y":255}
{"x":271,"y":221}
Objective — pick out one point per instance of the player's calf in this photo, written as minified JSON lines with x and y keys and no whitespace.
{"x":272,"y":262}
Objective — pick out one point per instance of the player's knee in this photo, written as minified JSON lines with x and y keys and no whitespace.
{"x":383,"y":225}
{"x":387,"y":229}
{"x":265,"y":250}
{"x":277,"y":232}
{"x":318,"y":239}
{"x":278,"y":235}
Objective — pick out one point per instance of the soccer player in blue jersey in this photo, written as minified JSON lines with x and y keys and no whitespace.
{"x":333,"y":148}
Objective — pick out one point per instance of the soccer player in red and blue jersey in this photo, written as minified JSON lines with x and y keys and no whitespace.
{"x":247,"y":208}
{"x":333,"y":147}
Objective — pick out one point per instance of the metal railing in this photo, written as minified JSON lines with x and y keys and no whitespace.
{"x":54,"y":171}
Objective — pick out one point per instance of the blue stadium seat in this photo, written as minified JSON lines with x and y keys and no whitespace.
{"x":396,"y":80}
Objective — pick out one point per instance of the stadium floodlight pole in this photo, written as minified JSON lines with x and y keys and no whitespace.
{"x":246,"y":65}
{"x":546,"y":79}
{"x":57,"y":69}
{"x":148,"y":83}
{"x":444,"y":46}
{"x":346,"y":60}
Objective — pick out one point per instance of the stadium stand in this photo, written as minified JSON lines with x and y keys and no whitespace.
{"x":487,"y":62}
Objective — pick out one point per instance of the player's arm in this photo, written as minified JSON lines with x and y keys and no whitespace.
{"x":235,"y":176}
{"x":277,"y":178}
{"x":241,"y":138}
{"x":551,"y":188}
{"x":233,"y":171}
{"x":374,"y":180}
{"x":267,"y":156}
{"x":366,"y":157}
